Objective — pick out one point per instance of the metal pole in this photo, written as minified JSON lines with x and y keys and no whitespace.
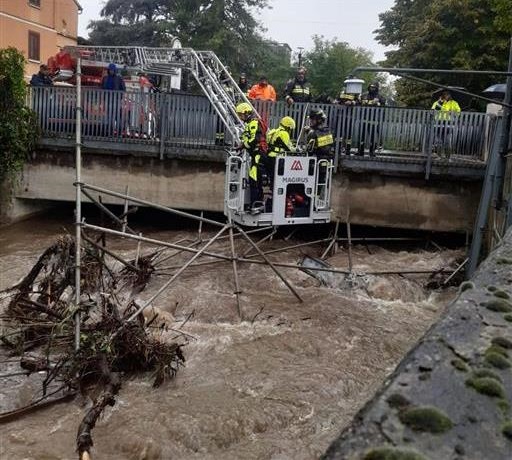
{"x":349,"y":235}
{"x":125,"y":210}
{"x":505,"y":138}
{"x":493,"y":175}
{"x":199,"y":253}
{"x":269,"y":262}
{"x":109,"y":213}
{"x":235,"y":269}
{"x":400,"y":72}
{"x":152,"y":205}
{"x":78,"y":199}
{"x":152,"y":241}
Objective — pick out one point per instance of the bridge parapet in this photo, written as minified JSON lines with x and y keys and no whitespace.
{"x":189,"y":121}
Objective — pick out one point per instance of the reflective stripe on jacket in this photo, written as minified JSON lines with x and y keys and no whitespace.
{"x":279,"y":141}
{"x":446,"y":109}
{"x":298,"y":91}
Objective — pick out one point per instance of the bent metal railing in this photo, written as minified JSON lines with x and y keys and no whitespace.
{"x":190,"y":121}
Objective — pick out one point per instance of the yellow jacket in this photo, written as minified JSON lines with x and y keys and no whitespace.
{"x":446,"y":109}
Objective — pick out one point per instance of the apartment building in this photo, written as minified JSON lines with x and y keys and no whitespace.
{"x":38,"y":28}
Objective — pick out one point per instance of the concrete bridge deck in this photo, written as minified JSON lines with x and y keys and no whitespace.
{"x":386,"y":191}
{"x":163,"y":148}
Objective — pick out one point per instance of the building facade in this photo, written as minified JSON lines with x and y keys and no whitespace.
{"x":38,"y":28}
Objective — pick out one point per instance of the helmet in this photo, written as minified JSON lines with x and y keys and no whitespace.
{"x":288,"y":122}
{"x":317,"y":114}
{"x":243,"y":107}
{"x":374,"y":84}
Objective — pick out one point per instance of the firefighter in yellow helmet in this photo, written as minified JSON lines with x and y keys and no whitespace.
{"x":253,"y":140}
{"x":279,"y":143}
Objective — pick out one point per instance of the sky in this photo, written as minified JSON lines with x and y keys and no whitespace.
{"x":296,"y":21}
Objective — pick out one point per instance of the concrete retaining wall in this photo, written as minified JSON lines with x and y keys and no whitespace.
{"x":451,"y":397}
{"x":373,"y":198}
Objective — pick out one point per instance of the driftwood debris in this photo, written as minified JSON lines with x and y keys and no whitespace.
{"x":38,"y":316}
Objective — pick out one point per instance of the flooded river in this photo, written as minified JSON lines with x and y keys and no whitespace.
{"x":281,"y":384}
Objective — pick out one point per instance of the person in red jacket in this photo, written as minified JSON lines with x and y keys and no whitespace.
{"x":263,"y":91}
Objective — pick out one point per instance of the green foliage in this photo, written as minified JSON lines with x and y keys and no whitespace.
{"x":448,"y":34}
{"x":502,"y":294}
{"x":502,"y":342}
{"x":398,"y":401}
{"x":504,"y":261}
{"x":18,"y":128}
{"x":330,"y":63}
{"x":460,"y":365}
{"x":227,"y":27}
{"x":497,"y":360}
{"x":487,"y":386}
{"x":466,"y":286}
{"x":486,"y":373}
{"x":508,"y":318}
{"x":499,"y":305}
{"x":428,"y":419}
{"x":507,"y":430}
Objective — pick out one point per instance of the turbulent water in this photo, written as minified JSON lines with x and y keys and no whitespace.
{"x":281,"y":384}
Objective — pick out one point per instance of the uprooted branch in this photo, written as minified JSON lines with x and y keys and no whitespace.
{"x":39,"y":317}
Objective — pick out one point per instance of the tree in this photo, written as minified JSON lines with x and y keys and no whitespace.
{"x":330,"y":63}
{"x":448,"y":34}
{"x":18,"y":127}
{"x":227,"y":27}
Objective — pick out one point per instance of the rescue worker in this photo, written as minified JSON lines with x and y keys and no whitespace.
{"x":279,"y":143}
{"x":320,"y":142}
{"x":446,"y":109}
{"x":348,"y":101}
{"x":298,"y":88}
{"x":263,"y":91}
{"x":371,"y":127}
{"x":254,"y":142}
{"x":243,"y":83}
{"x":446,"y":105}
{"x":42,"y":78}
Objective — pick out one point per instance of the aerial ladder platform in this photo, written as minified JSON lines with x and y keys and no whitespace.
{"x":300,"y":193}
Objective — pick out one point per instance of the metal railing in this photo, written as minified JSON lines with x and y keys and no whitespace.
{"x":190,"y":121}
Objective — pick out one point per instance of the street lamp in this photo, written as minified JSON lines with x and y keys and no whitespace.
{"x":300,"y":55}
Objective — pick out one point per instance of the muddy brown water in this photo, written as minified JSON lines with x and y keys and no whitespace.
{"x":281,"y":384}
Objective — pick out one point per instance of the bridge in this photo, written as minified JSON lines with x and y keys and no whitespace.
{"x":170,"y":149}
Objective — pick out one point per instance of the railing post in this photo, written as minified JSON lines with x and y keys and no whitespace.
{"x":161,"y":120}
{"x":428,"y":143}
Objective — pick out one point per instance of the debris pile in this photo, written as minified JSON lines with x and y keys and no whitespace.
{"x":38,"y":326}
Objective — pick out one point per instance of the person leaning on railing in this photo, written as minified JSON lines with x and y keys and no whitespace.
{"x":446,"y":109}
{"x":112,"y":81}
{"x":263,"y":91}
{"x":298,"y":88}
{"x":371,"y":125}
{"x":42,"y":78}
{"x":349,"y":101}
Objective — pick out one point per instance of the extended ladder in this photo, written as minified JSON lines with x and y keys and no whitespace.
{"x":212,"y":76}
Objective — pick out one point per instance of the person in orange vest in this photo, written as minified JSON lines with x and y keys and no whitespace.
{"x":263,"y":91}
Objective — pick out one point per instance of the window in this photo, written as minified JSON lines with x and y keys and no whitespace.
{"x":36,"y":3}
{"x":34,"y":45}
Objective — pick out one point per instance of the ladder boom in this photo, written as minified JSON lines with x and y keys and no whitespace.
{"x":210,"y":73}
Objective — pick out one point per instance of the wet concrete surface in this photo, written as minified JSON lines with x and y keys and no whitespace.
{"x":451,"y":396}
